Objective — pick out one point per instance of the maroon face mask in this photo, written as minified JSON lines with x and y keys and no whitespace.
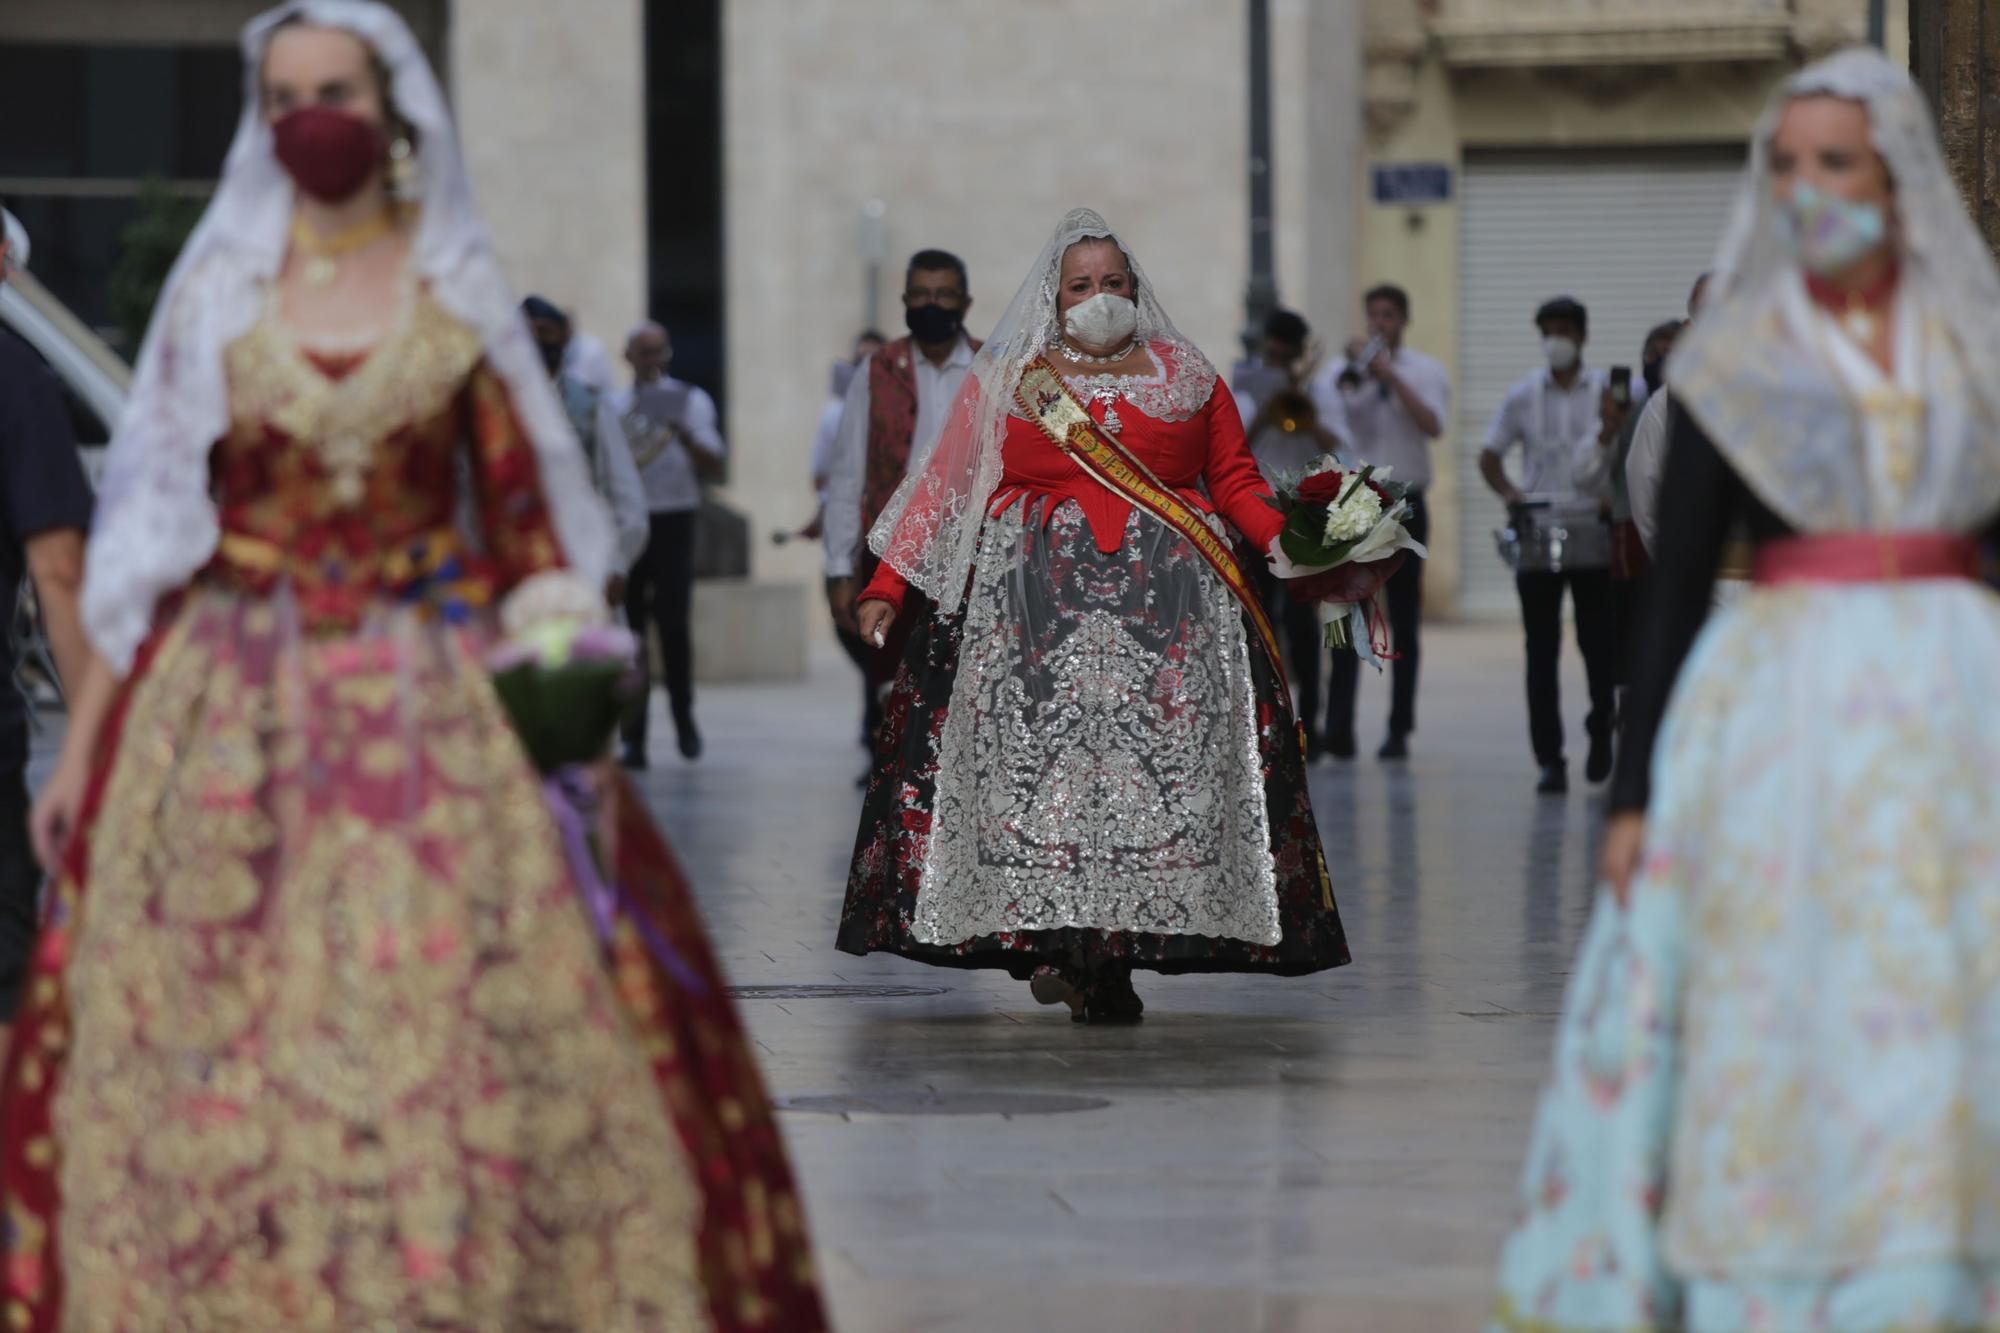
{"x":330,"y":154}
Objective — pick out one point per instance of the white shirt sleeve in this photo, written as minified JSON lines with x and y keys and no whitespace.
{"x":622,"y":486}
{"x":701,"y":423}
{"x":587,"y":359}
{"x":1643,"y":465}
{"x":823,"y":440}
{"x":1332,"y":408}
{"x":1433,"y":389}
{"x":1505,"y":432}
{"x":846,"y":471}
{"x":1590,"y":460}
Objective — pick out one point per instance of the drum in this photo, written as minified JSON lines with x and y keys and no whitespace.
{"x":1547,"y":537}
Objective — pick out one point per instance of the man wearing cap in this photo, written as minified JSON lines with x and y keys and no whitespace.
{"x":44,"y":507}
{"x":594,"y":418}
{"x":1553,"y":419}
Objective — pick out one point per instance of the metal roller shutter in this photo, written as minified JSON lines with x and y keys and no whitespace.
{"x":1625,"y":233}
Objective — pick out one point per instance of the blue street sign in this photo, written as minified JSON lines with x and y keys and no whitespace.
{"x":1412,"y":183}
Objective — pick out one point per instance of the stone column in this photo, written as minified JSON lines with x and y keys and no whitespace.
{"x":1955,"y":54}
{"x":550,"y":102}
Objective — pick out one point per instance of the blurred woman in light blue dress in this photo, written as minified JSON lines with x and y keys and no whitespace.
{"x":1775,"y":1106}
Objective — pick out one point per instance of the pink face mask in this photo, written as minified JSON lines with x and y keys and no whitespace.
{"x":329,"y":154}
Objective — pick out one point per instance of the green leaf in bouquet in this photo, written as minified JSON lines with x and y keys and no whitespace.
{"x":1303,"y":548}
{"x":566,"y":714}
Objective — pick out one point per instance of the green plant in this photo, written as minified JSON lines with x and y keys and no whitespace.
{"x":147,"y":249}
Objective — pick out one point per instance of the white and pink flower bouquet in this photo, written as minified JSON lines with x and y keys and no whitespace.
{"x":565,"y":675}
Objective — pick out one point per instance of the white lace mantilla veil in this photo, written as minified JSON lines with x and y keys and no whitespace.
{"x":1727,"y":367}
{"x":929,"y":531}
{"x":156,"y":524}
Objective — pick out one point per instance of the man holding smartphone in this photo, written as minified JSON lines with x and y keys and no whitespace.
{"x":1562,"y":420}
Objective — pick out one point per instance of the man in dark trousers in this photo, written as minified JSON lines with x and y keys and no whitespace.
{"x":672,"y":427}
{"x":1553,"y":418}
{"x":44,"y":507}
{"x":1395,"y":400}
{"x":896,"y":408}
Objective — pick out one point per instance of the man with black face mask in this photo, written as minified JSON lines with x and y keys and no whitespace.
{"x":896,"y":408}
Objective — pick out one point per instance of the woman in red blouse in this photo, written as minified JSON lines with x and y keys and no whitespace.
{"x":1088,"y":764}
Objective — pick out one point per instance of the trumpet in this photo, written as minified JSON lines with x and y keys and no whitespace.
{"x":1292,"y":409}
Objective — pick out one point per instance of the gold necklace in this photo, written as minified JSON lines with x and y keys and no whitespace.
{"x":323,"y":253}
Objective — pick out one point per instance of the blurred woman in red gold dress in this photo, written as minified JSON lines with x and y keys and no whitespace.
{"x":320,"y":1034}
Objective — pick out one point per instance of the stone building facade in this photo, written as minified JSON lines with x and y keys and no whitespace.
{"x":1587,"y":147}
{"x":1414,"y":141}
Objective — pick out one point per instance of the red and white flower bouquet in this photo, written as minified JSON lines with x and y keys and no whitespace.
{"x":1342,"y":541}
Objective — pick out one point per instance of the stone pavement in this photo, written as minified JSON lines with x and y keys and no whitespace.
{"x":1325,"y":1153}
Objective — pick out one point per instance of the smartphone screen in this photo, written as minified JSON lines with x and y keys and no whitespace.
{"x":1621,"y":385}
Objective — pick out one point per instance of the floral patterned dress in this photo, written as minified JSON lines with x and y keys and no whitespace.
{"x":319,"y":1034}
{"x":1092,"y":761}
{"x":1772,"y":1103}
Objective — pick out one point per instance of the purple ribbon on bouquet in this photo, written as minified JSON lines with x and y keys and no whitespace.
{"x":574,"y":804}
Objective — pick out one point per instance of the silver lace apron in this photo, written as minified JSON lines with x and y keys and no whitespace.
{"x":1098,"y":766}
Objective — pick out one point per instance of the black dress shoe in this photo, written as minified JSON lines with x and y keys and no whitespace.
{"x":634,"y":758}
{"x":1555,"y":779}
{"x":1341,"y":747}
{"x":1598,"y":767}
{"x":1110,"y":999}
{"x":1396,"y":747}
{"x":689,"y":737}
{"x":1315,"y":747}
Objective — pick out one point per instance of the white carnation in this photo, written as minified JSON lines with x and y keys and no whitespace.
{"x":1354,"y":518}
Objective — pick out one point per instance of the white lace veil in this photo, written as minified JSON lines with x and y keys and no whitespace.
{"x":156,"y":524}
{"x":1946,"y":268}
{"x":930,"y":530}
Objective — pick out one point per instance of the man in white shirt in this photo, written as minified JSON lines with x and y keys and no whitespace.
{"x":672,"y":427}
{"x":1288,"y":432}
{"x":827,"y":432}
{"x":896,"y":409}
{"x":825,"y":437}
{"x":1553,"y":419}
{"x":1395,"y":407}
{"x":1648,"y":454}
{"x":595,"y":420}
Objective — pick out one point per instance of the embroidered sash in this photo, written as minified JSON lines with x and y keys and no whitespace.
{"x":1047,"y":400}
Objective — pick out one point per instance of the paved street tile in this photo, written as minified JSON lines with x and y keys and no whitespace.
{"x":1335,"y":1152}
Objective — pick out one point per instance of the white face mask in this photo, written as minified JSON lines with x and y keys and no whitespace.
{"x":1105,"y":320}
{"x":1561,"y":352}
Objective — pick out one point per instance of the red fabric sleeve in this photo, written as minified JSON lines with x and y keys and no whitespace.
{"x":507,"y":478}
{"x":1231,"y":473}
{"x":887,"y":586}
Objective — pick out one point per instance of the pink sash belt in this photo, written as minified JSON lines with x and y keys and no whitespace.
{"x":1867,"y":557}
